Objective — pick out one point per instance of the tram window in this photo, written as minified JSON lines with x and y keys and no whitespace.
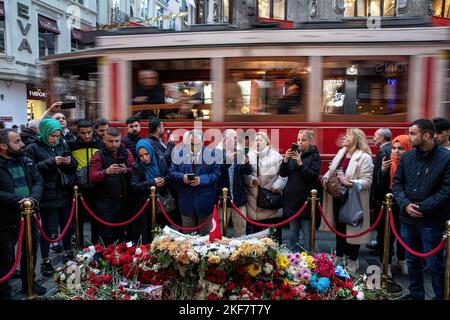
{"x":369,"y":8}
{"x":179,"y":89}
{"x":365,"y":87}
{"x":441,"y":8}
{"x":265,"y":86}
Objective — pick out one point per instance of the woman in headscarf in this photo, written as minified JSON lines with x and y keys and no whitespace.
{"x":55,"y":164}
{"x":385,"y":175}
{"x":145,"y":174}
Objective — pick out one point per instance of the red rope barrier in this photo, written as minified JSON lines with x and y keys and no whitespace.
{"x":179,"y":227}
{"x":63,"y":233}
{"x":377,"y":221}
{"x":418,"y":254}
{"x":118,"y":224}
{"x":18,"y":253}
{"x":267,"y":225}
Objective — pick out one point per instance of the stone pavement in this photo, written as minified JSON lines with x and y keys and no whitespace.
{"x":325,"y":242}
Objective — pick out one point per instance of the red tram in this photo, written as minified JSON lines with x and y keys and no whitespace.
{"x":277,"y":80}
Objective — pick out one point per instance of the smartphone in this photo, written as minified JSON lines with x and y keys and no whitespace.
{"x":70,"y":104}
{"x":191,"y":176}
{"x":295,"y":147}
{"x":120,"y":160}
{"x":66,"y":154}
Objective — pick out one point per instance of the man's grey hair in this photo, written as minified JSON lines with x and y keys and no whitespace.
{"x":34,"y":124}
{"x":385,"y":133}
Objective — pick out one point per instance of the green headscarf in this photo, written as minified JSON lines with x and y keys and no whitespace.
{"x":46,"y":127}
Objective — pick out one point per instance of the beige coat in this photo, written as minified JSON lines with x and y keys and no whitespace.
{"x":360,"y":169}
{"x":269,"y":166}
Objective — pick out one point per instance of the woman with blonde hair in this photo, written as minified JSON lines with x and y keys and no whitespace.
{"x":353,"y":165}
{"x":265,"y":162}
{"x":301,"y":166}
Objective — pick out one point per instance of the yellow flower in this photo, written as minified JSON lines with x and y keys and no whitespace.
{"x":213,"y":258}
{"x":282,"y":262}
{"x":303,"y":254}
{"x":254,"y":269}
{"x":313,"y":266}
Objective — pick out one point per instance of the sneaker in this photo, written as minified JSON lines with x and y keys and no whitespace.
{"x":409,"y":296}
{"x":394,"y":289}
{"x":340,"y":261}
{"x":373,"y":247}
{"x":352,"y":265}
{"x":56,"y":248}
{"x":38,"y":289}
{"x":401,"y":264}
{"x":47,"y":269}
{"x":68,"y":256}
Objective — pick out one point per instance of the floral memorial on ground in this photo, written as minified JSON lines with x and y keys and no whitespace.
{"x":179,"y":266}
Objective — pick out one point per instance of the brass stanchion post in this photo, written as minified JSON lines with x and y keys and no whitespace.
{"x":312,"y":236}
{"x":387,"y":232}
{"x":153,"y":196}
{"x":224,"y":211}
{"x":78,"y":232}
{"x":28,"y":206}
{"x":447,"y":264}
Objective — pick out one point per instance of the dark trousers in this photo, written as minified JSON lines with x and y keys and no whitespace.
{"x":401,"y":252}
{"x":423,"y":239}
{"x":53,"y":221}
{"x":342,"y":247}
{"x":89,"y":197}
{"x":8,"y":241}
{"x":111,"y":210}
{"x":277,"y":233}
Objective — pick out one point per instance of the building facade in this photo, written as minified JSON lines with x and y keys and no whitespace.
{"x":29,"y":31}
{"x":297,"y":13}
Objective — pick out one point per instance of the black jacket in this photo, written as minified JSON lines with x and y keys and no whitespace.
{"x":300,"y":181}
{"x":424,"y":179}
{"x":55,"y":194}
{"x":28,"y":136}
{"x":163,"y":153}
{"x":130,"y":142}
{"x":9,"y":202}
{"x":379,"y":189}
{"x":139,"y":184}
{"x":239,"y":186}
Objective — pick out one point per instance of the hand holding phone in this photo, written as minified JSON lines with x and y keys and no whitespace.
{"x":68,"y":104}
{"x":295,"y":147}
{"x":120,"y":160}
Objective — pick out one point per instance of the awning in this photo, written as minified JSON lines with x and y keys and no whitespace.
{"x":48,"y":24}
{"x":2,"y":9}
{"x":77,"y":34}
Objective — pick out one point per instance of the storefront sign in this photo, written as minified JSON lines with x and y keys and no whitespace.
{"x":48,"y":24}
{"x":6,"y":119}
{"x":34,"y":93}
{"x":2,"y":9}
{"x":77,"y":34}
{"x":22,"y":12}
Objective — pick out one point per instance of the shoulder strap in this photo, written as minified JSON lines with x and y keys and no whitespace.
{"x":257,"y":165}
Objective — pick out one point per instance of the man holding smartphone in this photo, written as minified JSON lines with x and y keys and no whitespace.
{"x":110,"y":172}
{"x":198,"y":176}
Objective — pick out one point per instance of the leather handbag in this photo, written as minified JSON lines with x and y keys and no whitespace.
{"x":266,"y":199}
{"x":168,"y":202}
{"x":333,"y":185}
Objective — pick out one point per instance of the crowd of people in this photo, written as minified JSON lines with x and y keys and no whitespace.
{"x":114,"y":174}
